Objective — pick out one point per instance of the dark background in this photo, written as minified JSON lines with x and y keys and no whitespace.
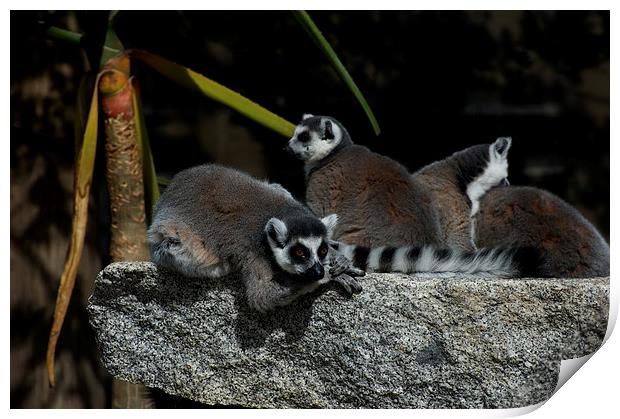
{"x":437,"y":82}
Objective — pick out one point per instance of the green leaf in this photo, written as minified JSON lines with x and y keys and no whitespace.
{"x":163,"y":181}
{"x":111,"y":44}
{"x":151,"y":187}
{"x":63,"y":35}
{"x":313,"y":31}
{"x":197,"y":82}
{"x":74,"y":38}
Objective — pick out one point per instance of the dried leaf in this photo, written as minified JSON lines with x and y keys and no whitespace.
{"x":82,"y":181}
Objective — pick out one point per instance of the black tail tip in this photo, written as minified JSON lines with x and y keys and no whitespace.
{"x":529,"y":261}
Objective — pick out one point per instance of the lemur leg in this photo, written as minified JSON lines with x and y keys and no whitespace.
{"x":263,"y":292}
{"x":173,"y":245}
{"x":349,"y":284}
{"x":339,"y":262}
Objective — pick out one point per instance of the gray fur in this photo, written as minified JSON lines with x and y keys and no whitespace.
{"x":521,"y":217}
{"x":531,"y":217}
{"x":212,"y":220}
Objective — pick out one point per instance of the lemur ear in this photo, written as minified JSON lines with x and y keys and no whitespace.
{"x":502,"y":145}
{"x":276,"y":230}
{"x":328,"y":133}
{"x":330,"y":223}
{"x":306,"y":116}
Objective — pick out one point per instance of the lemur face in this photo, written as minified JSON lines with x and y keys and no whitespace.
{"x":314,"y":138}
{"x":300,"y":245}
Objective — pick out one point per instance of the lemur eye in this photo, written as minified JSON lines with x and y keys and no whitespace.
{"x":299,"y":252}
{"x":328,"y":134}
{"x":323,"y":250}
{"x":303,"y":137}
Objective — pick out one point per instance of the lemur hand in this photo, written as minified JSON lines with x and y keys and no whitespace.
{"x":339,"y":264}
{"x":348,"y":284}
{"x":342,"y":271}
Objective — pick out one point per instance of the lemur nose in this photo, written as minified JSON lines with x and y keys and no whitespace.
{"x":287,"y":148}
{"x":316,"y":272}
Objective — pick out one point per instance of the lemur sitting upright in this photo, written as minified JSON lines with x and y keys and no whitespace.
{"x":376,"y":201}
{"x":212,"y":220}
{"x":380,"y":205}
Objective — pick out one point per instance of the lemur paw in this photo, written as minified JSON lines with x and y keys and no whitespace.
{"x":348,"y":284}
{"x":339,"y":265}
{"x":342,"y":271}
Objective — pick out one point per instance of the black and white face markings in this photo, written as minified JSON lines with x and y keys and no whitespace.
{"x":314,"y":138}
{"x":300,"y":246}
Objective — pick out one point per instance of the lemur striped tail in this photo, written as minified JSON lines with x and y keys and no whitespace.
{"x":500,"y":262}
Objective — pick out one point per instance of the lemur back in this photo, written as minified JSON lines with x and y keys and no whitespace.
{"x":213,"y":203}
{"x":526,"y":216}
{"x":377,"y":201}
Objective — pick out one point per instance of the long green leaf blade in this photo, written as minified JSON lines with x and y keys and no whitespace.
{"x":308,"y":24}
{"x":197,"y":82}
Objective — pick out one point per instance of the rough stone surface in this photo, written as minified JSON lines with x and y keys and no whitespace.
{"x":404,"y":342}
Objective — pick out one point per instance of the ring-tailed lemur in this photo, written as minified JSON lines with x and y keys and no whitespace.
{"x":380,"y":204}
{"x":212,"y":220}
{"x":376,"y":201}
